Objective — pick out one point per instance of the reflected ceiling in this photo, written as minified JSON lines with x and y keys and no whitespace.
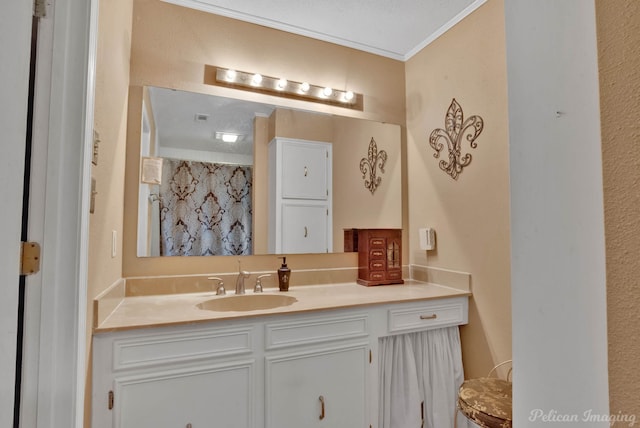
{"x":188,"y":120}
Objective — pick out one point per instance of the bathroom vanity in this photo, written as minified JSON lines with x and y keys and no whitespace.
{"x":311,"y":363}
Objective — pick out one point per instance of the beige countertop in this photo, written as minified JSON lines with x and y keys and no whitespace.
{"x":174,"y":309}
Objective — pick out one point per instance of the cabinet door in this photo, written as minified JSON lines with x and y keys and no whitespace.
{"x":198,"y":398}
{"x":325,"y":389}
{"x":305,"y":171}
{"x":305,"y":228}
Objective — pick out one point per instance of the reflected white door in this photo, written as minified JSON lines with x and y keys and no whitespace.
{"x":15,"y":30}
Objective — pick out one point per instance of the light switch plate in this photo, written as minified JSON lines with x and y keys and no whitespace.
{"x":114,"y":243}
{"x":427,"y":238}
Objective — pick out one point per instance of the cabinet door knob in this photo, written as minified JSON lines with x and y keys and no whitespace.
{"x":306,"y":232}
{"x":321,"y":398}
{"x":189,"y":425}
{"x":306,"y":171}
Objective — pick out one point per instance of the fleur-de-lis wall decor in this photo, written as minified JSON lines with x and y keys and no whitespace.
{"x":456,"y":128}
{"x":370,"y":164}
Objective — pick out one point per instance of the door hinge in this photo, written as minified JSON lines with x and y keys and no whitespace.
{"x":110,"y":404}
{"x":29,"y":258}
{"x":39,"y":8}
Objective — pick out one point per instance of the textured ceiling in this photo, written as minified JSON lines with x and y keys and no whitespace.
{"x":393,"y":28}
{"x":175,"y":114}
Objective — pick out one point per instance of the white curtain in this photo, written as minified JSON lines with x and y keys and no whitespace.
{"x":420,"y":374}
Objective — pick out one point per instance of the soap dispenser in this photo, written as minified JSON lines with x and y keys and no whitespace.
{"x":284,"y":273}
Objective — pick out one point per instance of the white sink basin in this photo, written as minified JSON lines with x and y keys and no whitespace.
{"x":247,"y":302}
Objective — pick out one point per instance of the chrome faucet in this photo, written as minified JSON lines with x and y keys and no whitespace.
{"x":240,"y":281}
{"x":258,"y":287}
{"x":220,"y":291}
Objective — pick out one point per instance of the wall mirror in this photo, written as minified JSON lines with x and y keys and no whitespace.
{"x":204,"y":165}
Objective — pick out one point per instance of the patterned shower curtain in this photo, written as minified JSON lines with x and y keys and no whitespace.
{"x":205,"y":209}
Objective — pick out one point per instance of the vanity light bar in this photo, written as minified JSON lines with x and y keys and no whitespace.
{"x":284,"y":87}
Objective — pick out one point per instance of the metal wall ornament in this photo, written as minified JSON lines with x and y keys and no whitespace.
{"x":369,"y":165}
{"x":456,"y":128}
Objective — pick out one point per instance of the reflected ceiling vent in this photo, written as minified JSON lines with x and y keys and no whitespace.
{"x":201,"y":117}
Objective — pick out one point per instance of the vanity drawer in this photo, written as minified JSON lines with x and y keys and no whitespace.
{"x":315,"y":330}
{"x":427,"y":316}
{"x":151,"y":350}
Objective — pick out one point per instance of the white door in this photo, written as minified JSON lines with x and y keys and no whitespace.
{"x":323,"y":389}
{"x":305,"y":170}
{"x":15,"y":32}
{"x":214,"y":396}
{"x":305,"y":227}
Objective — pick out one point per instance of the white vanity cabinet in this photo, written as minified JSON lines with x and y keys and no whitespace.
{"x":184,"y":377}
{"x":300,"y":208}
{"x":310,"y":369}
{"x":316,"y":372}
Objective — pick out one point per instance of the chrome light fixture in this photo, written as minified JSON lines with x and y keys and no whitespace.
{"x":283,"y":87}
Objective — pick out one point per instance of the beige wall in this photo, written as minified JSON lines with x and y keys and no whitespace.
{"x":171,"y":46}
{"x":470,"y":214}
{"x":112,"y":83}
{"x":618,"y":28}
{"x":260,"y":194}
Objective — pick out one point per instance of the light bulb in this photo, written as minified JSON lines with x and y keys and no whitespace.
{"x":327,"y":91}
{"x":282,"y":83}
{"x":304,"y":87}
{"x":256,"y":79}
{"x":229,"y":138}
{"x":348,"y":95}
{"x":230,"y":75}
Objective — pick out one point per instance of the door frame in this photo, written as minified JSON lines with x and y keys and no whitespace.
{"x":55,"y":394}
{"x":63,"y":332}
{"x":15,"y":25}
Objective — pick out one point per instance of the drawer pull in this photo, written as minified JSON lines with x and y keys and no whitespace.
{"x":306,"y":232}
{"x":321,"y":398}
{"x":428,"y":317}
{"x":306,"y":171}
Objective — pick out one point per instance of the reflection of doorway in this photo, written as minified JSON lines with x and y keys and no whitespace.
{"x":148,"y":209}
